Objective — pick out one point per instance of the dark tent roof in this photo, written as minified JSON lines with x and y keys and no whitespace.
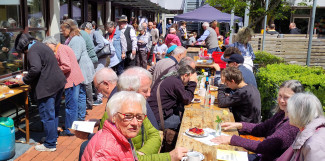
{"x":206,"y":13}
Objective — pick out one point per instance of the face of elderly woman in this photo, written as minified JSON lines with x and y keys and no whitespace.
{"x":65,"y":31}
{"x":128,"y":128}
{"x":283,"y":96}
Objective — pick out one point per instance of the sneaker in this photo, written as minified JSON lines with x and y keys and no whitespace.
{"x":64,"y":133}
{"x":43,"y":140}
{"x":41,"y":147}
{"x":97,"y":102}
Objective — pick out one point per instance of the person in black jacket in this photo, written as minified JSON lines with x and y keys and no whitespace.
{"x":47,"y":80}
{"x":294,"y":29}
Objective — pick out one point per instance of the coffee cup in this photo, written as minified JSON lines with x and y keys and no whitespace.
{"x":192,"y":156}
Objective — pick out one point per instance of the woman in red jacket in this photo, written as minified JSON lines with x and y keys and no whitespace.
{"x":126,"y":111}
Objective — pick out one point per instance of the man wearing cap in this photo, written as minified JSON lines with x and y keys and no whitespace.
{"x":176,"y":54}
{"x":131,"y":41}
{"x":210,"y":37}
{"x":235,"y":59}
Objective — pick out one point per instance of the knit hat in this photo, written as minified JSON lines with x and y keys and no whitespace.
{"x":172,"y":48}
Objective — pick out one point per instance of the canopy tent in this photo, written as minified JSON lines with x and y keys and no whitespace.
{"x":206,"y":13}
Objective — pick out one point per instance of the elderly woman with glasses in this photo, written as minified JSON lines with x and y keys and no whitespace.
{"x":306,"y":113}
{"x":126,"y":111}
{"x":69,"y":65}
{"x":278,"y":133}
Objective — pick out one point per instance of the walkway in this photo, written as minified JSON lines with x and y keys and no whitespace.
{"x":68,"y":147}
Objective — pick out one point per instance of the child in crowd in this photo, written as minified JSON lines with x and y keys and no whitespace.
{"x":220,"y":42}
{"x":160,"y":50}
{"x":192,"y":39}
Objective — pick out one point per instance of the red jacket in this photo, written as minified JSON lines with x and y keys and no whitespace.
{"x":172,"y":39}
{"x":108,"y":144}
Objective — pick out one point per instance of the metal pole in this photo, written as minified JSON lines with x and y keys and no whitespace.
{"x":265,"y":21}
{"x":311,"y":30}
{"x":231,"y":25}
{"x":247,"y":10}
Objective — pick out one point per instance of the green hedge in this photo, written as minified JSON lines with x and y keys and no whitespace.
{"x":264,"y":58}
{"x":272,"y":76}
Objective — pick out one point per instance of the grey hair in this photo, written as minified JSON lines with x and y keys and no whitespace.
{"x":106,"y":74}
{"x":182,"y":70}
{"x":206,"y":24}
{"x":110,"y":24}
{"x":86,"y":25}
{"x":119,"y":99}
{"x":303,"y":108}
{"x":294,"y":85}
{"x":186,"y":61}
{"x":140,"y":28}
{"x":130,"y":79}
{"x":178,"y":50}
{"x":50,"y":40}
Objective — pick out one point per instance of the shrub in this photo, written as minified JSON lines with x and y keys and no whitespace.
{"x":272,"y":76}
{"x":264,"y":58}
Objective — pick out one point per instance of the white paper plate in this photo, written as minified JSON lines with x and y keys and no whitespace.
{"x":195,"y":101}
{"x":193,"y":135}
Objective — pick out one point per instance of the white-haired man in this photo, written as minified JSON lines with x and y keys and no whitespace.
{"x":210,"y":37}
{"x":177,"y":54}
{"x":105,"y":82}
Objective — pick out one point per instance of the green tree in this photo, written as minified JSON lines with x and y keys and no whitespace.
{"x":277,"y":9}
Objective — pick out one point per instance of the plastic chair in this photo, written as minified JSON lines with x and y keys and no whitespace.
{"x":217,"y":59}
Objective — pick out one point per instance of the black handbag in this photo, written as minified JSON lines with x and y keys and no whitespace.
{"x":106,"y":50}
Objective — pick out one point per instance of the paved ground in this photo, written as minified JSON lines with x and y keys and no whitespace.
{"x":67,"y":148}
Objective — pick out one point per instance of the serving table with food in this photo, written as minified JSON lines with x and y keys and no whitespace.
{"x":199,"y":125}
{"x":10,"y":88}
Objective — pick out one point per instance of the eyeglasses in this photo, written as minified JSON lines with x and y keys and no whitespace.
{"x":96,"y":87}
{"x":127,"y":117}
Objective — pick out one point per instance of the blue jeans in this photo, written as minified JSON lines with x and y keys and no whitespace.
{"x":82,"y":103}
{"x":214,"y":49}
{"x":71,"y":106}
{"x":49,"y":113}
{"x":119,"y":68}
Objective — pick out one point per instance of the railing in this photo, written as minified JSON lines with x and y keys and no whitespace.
{"x":293,"y":48}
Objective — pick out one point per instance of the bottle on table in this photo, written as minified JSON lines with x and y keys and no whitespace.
{"x":207,"y":97}
{"x":206,"y":83}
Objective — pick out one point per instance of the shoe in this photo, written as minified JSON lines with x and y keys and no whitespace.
{"x":41,"y":147}
{"x":97,"y":102}
{"x":64,"y":133}
{"x":43,"y":140}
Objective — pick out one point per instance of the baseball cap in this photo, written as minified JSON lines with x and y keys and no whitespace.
{"x":172,"y":48}
{"x":235,"y":58}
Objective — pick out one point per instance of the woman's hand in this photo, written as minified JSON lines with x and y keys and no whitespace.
{"x":178,"y":153}
{"x":216,"y":66}
{"x":232,"y":125}
{"x":222,"y":140}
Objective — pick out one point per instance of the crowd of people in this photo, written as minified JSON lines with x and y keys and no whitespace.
{"x":141,"y":101}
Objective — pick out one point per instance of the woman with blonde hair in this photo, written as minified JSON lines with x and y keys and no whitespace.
{"x":243,"y":36}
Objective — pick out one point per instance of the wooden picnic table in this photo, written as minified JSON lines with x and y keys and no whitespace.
{"x":21,"y":90}
{"x":196,"y":115}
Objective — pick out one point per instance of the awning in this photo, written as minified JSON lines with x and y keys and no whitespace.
{"x":146,"y":5}
{"x":206,"y":13}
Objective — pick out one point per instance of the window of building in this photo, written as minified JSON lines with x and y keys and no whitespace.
{"x":10,"y":11}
